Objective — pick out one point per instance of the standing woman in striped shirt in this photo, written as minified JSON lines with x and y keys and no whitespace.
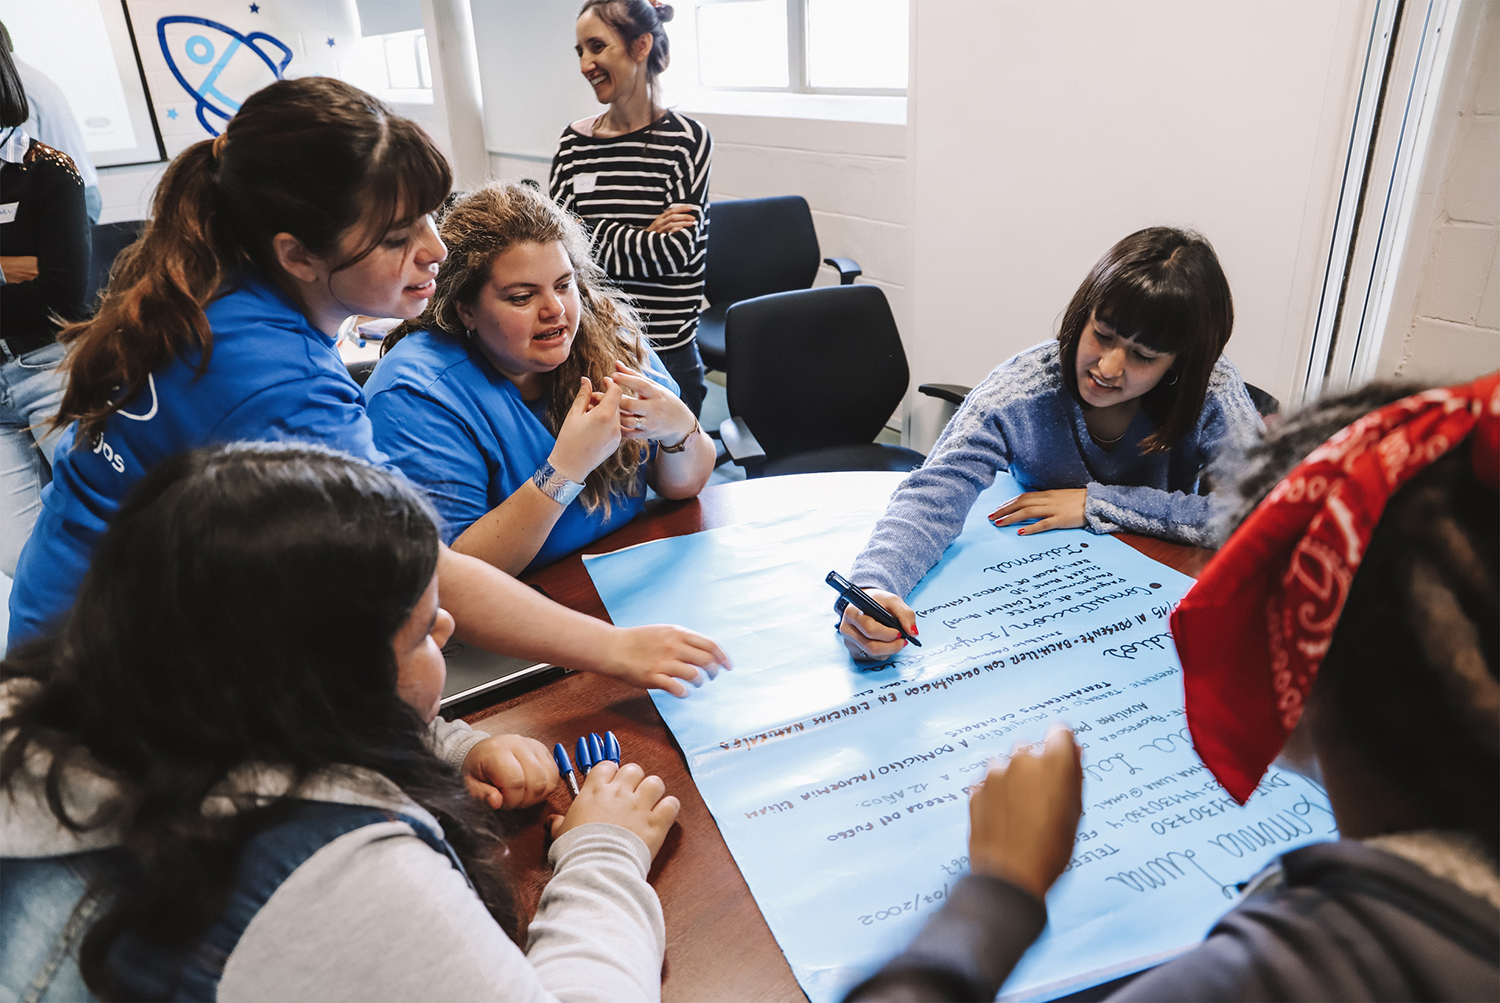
{"x":637,"y":176}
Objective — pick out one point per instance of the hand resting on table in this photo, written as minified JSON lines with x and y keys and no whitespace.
{"x":1060,"y":509}
{"x":510,"y":771}
{"x":623,"y":796}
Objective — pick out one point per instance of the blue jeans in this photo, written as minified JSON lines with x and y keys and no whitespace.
{"x":685,"y":364}
{"x":30,"y":392}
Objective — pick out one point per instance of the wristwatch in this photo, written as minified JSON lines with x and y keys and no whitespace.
{"x":683,"y":444}
{"x":555,"y":485}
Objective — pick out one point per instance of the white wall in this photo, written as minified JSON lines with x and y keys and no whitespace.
{"x":853,"y":175}
{"x":126,"y":191}
{"x":529,"y":74}
{"x":1044,"y":132}
{"x":1444,"y":325}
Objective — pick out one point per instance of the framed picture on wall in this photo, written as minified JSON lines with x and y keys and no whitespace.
{"x":85,"y":48}
{"x":202,"y":58}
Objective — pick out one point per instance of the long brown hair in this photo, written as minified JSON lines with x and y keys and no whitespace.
{"x":312,"y":157}
{"x":487,"y":223}
{"x":1161,"y":287}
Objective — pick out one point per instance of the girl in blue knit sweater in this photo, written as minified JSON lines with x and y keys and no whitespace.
{"x":1108,"y":427}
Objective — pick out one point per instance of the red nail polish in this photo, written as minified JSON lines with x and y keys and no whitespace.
{"x":914,"y":630}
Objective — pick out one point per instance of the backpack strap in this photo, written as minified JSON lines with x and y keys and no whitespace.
{"x":269,"y":858}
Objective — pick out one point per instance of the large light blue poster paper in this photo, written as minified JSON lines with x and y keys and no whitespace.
{"x":842,"y":791}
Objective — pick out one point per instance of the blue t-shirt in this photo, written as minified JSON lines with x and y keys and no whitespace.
{"x":271,"y":377}
{"x":458,"y":428}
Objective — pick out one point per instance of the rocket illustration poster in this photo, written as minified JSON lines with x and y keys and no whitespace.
{"x":203,"y":58}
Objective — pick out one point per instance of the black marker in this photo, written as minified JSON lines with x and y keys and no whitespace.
{"x":865,"y":603}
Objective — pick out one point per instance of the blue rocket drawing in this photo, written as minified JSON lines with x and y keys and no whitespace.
{"x":215,"y":48}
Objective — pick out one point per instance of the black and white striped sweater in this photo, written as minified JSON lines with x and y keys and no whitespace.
{"x":618,"y":185}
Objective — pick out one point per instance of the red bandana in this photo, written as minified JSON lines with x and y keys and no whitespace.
{"x":1253,"y":631}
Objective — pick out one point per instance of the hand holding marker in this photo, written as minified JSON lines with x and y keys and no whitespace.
{"x":866,"y":604}
{"x":591,"y":750}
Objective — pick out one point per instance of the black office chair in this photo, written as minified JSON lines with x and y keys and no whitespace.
{"x":361,"y":371}
{"x":813,"y":376}
{"x":1265,"y":403}
{"x":107,"y":240}
{"x":757,"y":247}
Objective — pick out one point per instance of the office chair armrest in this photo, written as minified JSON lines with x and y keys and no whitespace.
{"x":950,"y":392}
{"x":740,"y":442}
{"x":849,"y":269}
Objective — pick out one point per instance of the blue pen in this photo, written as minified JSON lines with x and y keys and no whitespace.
{"x":581,"y":753}
{"x":611,"y":747}
{"x":596,"y":749}
{"x":564,"y":767}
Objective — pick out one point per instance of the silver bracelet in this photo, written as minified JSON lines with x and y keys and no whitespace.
{"x":555,"y":485}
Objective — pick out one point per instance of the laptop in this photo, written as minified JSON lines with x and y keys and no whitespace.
{"x":478,"y":678}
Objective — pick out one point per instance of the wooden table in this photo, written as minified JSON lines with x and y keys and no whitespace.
{"x":718,"y":944}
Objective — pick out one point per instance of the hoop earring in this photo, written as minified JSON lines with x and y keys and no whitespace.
{"x":1173,"y":381}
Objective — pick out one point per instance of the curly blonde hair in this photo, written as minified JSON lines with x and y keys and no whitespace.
{"x":486,"y":223}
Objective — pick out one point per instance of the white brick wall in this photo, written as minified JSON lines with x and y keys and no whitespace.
{"x":853,"y":175}
{"x":1452,"y":330}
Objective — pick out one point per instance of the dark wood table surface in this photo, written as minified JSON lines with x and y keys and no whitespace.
{"x":718,"y":944}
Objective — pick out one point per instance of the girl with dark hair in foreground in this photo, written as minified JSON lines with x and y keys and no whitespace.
{"x":1377,"y":560}
{"x":219,"y":326}
{"x":1108,"y":427}
{"x":216,"y":788}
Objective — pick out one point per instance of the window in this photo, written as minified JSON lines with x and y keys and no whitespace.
{"x":802,"y":46}
{"x":392,"y":66}
{"x":406,"y":66}
{"x":390,"y":58}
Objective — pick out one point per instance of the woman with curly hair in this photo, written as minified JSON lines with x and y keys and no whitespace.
{"x":525,"y":399}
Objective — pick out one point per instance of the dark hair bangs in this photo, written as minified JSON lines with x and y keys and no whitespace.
{"x":410,"y":178}
{"x":1157,"y":315}
{"x":1162,"y":288}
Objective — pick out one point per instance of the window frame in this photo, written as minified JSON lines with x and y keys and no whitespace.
{"x":796,"y":60}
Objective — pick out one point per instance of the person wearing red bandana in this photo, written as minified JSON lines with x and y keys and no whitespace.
{"x":1349,"y":630}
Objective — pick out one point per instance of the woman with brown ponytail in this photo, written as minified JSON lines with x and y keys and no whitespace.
{"x":218,"y":326}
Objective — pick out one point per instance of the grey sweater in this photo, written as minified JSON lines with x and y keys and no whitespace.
{"x":376,"y":914}
{"x":1022,"y":419}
